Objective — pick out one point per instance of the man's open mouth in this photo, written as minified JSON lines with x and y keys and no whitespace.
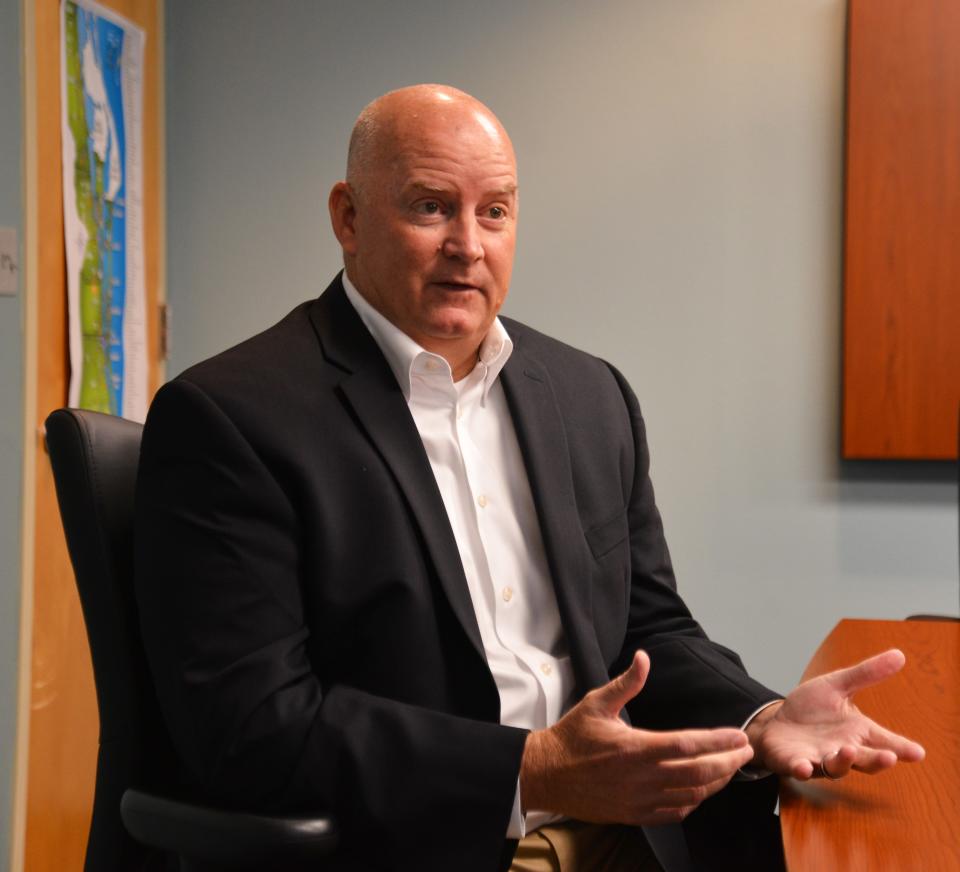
{"x":456,"y":286}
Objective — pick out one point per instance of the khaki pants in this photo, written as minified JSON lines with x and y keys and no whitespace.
{"x":574,"y":846}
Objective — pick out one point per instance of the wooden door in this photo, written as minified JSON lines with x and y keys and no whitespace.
{"x":63,"y":725}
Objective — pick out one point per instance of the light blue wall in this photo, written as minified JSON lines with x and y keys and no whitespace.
{"x":681,"y":168}
{"x":11,"y":411}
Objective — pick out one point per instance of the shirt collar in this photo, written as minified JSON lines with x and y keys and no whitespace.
{"x":402,"y":352}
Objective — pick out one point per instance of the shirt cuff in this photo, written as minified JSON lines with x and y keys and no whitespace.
{"x":748,"y":772}
{"x":517,"y":828}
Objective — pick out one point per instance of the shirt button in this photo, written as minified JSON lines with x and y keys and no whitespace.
{"x":507,"y":594}
{"x":546,"y":668}
{"x":459,"y":413}
{"x":482,"y":501}
{"x":431,"y":365}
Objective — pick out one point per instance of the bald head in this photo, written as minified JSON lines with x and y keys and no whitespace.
{"x":391,"y":122}
{"x":427,"y":217}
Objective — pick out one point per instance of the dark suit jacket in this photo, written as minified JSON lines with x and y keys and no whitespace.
{"x":304,"y":606}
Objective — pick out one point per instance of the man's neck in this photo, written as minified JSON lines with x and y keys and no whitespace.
{"x":460,"y":367}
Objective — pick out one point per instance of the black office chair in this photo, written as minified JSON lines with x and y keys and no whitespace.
{"x":94,"y":459}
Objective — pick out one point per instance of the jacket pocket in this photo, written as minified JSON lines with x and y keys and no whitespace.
{"x":603,"y":538}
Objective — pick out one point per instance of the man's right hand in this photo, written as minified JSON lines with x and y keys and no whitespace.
{"x":593,"y":767}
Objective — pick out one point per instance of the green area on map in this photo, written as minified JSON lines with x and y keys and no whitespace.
{"x":89,"y":184}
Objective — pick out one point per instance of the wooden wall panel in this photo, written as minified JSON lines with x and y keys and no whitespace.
{"x":902,"y":235}
{"x":63,"y":721}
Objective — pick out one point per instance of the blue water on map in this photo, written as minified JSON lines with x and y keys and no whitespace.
{"x":106,"y":39}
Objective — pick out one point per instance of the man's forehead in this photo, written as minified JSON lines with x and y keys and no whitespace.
{"x":450,"y":163}
{"x":453,"y":141}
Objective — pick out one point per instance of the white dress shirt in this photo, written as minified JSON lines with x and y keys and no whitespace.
{"x":472,"y":446}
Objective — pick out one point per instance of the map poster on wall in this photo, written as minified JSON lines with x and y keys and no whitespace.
{"x":102,"y":100}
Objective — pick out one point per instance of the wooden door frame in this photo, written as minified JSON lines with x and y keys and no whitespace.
{"x":32,"y":439}
{"x":18,"y":823}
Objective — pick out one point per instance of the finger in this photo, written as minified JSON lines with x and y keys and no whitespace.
{"x":689,"y":797}
{"x":832,"y":764}
{"x":906,"y":750}
{"x":617,"y":692}
{"x":664,"y":816}
{"x":700,"y":771}
{"x":812,"y":763}
{"x":677,"y":804}
{"x":867,"y":672}
{"x":871,"y":761}
{"x":837,"y":763}
{"x":695,"y":795}
{"x":683,"y":744}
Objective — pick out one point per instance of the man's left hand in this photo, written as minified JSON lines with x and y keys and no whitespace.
{"x":818,"y":731}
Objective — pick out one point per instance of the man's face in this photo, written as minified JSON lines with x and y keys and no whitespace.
{"x":434,"y":228}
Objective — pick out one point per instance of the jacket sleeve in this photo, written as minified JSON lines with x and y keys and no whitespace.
{"x":693,"y":682}
{"x":219,"y":587}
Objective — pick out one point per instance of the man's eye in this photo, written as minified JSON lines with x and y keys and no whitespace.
{"x":497,"y":212}
{"x":429,"y":207}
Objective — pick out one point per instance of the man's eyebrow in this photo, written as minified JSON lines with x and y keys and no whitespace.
{"x":430,"y":188}
{"x":426,"y":187}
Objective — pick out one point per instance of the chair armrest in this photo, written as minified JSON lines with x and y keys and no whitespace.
{"x":229,"y":838}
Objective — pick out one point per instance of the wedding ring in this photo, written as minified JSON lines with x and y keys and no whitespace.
{"x":823,"y":767}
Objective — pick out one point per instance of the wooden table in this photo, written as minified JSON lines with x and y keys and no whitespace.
{"x":909,"y":817}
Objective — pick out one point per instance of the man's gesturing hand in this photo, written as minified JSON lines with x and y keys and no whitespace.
{"x":591,"y":766}
{"x":819,"y":724}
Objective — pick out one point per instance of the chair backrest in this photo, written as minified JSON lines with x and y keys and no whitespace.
{"x":94,"y":459}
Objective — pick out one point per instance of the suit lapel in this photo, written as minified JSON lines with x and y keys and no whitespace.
{"x":542,"y":437}
{"x":375,"y":397}
{"x":372,"y":391}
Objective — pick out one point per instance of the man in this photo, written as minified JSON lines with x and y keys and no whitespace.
{"x":402,"y":560}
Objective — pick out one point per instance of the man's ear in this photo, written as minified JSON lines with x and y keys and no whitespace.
{"x":343,"y":215}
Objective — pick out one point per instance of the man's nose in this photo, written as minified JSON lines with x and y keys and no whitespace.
{"x":463,"y":240}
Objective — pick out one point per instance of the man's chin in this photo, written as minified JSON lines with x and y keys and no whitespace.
{"x":453,"y":335}
{"x":443,"y":332}
{"x":456,"y":322}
